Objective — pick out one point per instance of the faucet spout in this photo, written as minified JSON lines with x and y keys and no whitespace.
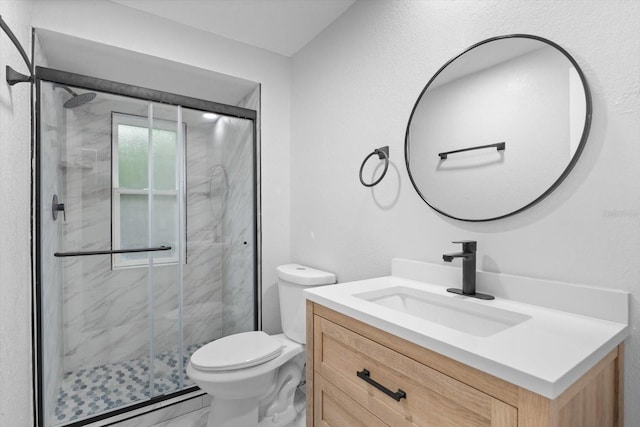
{"x":450,"y":257}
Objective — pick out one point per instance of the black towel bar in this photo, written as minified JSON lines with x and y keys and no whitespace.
{"x":499,"y":145}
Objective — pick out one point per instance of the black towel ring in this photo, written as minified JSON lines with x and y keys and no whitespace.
{"x":383,"y":153}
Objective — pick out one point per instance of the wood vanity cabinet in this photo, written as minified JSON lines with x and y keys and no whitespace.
{"x":439,"y":392}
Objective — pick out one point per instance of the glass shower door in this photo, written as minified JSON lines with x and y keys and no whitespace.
{"x":148,"y":210}
{"x":110,"y":251}
{"x":147,"y":252}
{"x":219,"y":276}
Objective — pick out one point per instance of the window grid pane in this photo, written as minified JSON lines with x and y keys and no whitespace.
{"x":133,"y":152}
{"x":135,"y":225}
{"x":131,"y":207}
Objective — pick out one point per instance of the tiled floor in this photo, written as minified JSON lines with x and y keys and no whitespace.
{"x":87,"y":392}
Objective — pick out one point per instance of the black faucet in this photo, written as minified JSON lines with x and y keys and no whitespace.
{"x":468,"y":256}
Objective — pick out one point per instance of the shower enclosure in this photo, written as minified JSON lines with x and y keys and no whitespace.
{"x":146,"y":225}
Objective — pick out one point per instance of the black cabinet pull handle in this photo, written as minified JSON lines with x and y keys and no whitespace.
{"x":365,"y":375}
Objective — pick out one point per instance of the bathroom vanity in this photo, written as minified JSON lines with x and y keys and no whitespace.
{"x":399,"y":351}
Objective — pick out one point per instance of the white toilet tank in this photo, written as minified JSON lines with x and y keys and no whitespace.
{"x":292,"y":280}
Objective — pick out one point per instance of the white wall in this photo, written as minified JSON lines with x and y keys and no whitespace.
{"x":15,"y":212}
{"x":353,"y":88}
{"x":116,"y":25}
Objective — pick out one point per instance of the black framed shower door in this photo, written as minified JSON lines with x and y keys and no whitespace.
{"x":136,"y":168}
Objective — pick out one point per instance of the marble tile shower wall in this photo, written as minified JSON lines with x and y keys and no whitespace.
{"x":238,"y":221}
{"x":50,"y":233}
{"x":106,"y":315}
{"x":203,"y":282}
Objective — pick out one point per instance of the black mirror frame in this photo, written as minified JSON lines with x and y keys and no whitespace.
{"x":570,"y":165}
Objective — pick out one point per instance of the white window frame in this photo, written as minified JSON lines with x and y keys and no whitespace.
{"x":143,"y":122}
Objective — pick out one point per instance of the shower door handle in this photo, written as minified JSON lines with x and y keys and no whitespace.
{"x":111,"y":252}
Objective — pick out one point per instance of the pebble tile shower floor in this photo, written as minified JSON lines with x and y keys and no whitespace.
{"x":87,"y":392}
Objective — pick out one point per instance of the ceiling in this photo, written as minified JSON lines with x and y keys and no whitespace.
{"x":281,"y":26}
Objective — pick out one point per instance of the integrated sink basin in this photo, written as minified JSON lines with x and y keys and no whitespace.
{"x":453,"y":312}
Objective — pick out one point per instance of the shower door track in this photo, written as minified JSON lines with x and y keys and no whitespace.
{"x":116,"y":88}
{"x":131,"y":91}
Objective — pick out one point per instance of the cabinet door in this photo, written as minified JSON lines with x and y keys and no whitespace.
{"x":333,"y":408}
{"x":432,"y":398}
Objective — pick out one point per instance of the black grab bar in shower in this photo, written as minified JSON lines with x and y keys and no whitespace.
{"x":111,"y":252}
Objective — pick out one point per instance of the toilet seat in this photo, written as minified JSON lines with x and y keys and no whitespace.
{"x":237,"y":351}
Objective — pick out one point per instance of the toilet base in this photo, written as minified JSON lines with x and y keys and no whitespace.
{"x":233,"y":413}
{"x":276,"y":409}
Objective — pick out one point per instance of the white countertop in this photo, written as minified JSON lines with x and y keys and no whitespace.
{"x":544,"y":354}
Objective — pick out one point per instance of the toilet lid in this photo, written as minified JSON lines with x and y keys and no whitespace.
{"x":237,"y":351}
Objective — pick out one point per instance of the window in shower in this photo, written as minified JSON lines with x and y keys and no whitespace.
{"x":132,"y":192}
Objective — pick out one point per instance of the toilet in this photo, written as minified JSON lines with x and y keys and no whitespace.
{"x":253,"y":376}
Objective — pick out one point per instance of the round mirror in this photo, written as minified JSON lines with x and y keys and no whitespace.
{"x":497,"y":128}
